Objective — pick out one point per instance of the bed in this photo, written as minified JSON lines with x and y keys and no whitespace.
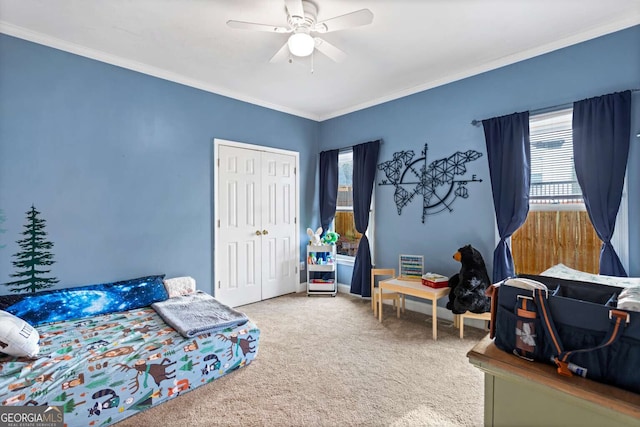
{"x":106,"y":367}
{"x":561,"y":271}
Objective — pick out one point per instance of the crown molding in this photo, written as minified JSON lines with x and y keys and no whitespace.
{"x":583,"y":36}
{"x":46,"y":40}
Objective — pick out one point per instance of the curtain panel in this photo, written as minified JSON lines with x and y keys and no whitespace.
{"x":328,"y":187}
{"x":601,"y":137}
{"x":509,"y":157}
{"x":365,"y":158}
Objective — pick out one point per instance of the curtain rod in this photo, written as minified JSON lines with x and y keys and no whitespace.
{"x":477,"y":123}
{"x":349,"y":147}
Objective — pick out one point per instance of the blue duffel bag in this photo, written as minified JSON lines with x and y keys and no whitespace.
{"x":574,"y":325}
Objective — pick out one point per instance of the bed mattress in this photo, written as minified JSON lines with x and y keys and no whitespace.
{"x":103,"y":369}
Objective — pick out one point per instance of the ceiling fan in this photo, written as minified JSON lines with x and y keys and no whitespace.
{"x":302,"y":22}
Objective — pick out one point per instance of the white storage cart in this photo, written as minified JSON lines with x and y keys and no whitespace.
{"x":322,"y":276}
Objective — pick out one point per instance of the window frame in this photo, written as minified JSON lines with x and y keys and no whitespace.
{"x":370,"y":233}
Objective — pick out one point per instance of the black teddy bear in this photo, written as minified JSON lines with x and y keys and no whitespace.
{"x":468,"y":287}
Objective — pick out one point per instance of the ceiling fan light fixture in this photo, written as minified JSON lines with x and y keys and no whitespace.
{"x":301,"y":44}
{"x":302,"y":26}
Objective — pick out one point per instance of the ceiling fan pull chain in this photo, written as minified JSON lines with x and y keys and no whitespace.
{"x":312,"y":62}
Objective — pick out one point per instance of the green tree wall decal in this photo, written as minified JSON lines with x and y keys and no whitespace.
{"x":35,"y":253}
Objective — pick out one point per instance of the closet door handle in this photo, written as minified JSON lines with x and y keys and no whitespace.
{"x":258,"y":233}
{"x":265,"y":232}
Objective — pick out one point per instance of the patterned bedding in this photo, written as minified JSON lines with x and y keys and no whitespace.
{"x":106,"y":368}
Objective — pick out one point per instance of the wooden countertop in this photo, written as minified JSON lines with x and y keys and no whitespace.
{"x":487,"y":357}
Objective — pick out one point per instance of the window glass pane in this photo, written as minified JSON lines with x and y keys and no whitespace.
{"x":345,"y":180}
{"x":553,"y":176}
{"x":344,"y":223}
{"x":349,"y":236}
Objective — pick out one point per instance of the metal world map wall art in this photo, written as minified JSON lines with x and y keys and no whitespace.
{"x":434,"y":181}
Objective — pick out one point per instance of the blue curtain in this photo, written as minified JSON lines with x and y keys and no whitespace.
{"x":365,"y":158}
{"x":509,"y":156}
{"x":328,"y":187}
{"x":601,"y":133}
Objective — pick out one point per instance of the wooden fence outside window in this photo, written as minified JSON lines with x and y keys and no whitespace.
{"x":548,"y":238}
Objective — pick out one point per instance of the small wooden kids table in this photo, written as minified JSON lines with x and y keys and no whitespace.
{"x":415,"y":289}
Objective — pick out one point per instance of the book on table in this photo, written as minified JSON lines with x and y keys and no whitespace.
{"x":435,"y":280}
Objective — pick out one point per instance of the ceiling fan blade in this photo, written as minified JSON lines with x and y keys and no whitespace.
{"x":330,"y":50}
{"x":281,"y":54}
{"x":240,"y":25}
{"x":350,"y":20}
{"x":295,"y":10}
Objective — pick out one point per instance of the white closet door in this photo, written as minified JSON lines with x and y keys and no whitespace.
{"x":239,"y":250}
{"x":279,"y":256}
{"x":256,"y":248}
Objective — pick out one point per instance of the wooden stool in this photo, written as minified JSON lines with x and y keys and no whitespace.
{"x":459,"y":319}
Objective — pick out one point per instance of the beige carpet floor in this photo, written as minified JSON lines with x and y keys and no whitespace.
{"x":326,"y":361}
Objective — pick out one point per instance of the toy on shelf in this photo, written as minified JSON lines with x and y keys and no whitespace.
{"x":314,"y":238}
{"x":320,"y":258}
{"x":330,"y":238}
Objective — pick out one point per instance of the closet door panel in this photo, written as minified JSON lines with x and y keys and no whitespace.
{"x":278,"y":220}
{"x":240,"y":247}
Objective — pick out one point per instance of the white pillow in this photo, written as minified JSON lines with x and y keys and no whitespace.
{"x":180,"y":286}
{"x":17,"y":337}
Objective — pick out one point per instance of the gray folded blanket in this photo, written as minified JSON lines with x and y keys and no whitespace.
{"x":197,"y":313}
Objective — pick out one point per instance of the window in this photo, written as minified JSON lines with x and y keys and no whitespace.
{"x":558,"y":228}
{"x":344,"y":223}
{"x":553,"y":176}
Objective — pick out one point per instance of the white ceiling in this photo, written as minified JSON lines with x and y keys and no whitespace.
{"x":412,"y":45}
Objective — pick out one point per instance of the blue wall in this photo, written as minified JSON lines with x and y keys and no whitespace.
{"x":442,"y":116}
{"x":120,"y":164}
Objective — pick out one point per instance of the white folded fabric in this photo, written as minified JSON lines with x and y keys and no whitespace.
{"x":629,"y":304}
{"x":180,"y":286}
{"x":629,"y":299}
{"x":632,"y":292}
